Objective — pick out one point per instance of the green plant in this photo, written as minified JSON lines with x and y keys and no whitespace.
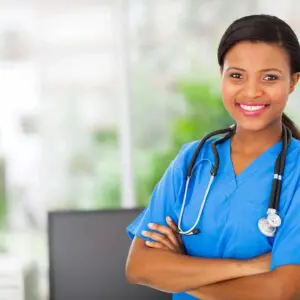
{"x":204,"y":112}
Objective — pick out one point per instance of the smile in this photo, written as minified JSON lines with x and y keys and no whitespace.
{"x":252,"y":110}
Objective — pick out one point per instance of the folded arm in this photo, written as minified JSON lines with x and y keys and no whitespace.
{"x":280,"y":284}
{"x":171,"y":272}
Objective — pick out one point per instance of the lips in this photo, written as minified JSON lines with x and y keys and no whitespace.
{"x":252,"y":109}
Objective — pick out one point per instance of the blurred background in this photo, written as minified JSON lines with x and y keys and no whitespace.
{"x":96,"y":98}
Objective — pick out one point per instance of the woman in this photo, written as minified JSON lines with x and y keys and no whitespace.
{"x":230,"y":257}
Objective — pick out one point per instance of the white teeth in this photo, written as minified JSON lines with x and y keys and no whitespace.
{"x":252,"y":107}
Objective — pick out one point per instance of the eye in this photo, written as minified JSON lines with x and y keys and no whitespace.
{"x":270,"y":77}
{"x":236,"y":75}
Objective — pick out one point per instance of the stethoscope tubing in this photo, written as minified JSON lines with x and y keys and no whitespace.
{"x":268,"y":225}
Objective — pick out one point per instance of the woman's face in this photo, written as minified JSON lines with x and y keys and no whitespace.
{"x":256,"y":83}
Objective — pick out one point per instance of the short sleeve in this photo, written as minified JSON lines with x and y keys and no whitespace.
{"x":287,"y":241}
{"x":162,"y":201}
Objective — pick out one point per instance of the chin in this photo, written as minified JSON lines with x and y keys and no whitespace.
{"x":252,"y":125}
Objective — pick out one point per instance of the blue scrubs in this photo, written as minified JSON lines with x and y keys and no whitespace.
{"x":234,"y":205}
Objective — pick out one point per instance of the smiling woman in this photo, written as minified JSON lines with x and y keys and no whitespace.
{"x":219,"y":243}
{"x":256,"y":81}
{"x":259,"y":67}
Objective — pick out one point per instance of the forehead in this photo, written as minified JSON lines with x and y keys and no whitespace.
{"x":257,"y":55}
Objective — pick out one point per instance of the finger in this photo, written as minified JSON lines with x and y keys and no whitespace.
{"x":166,"y":231}
{"x":174,"y":228}
{"x":156,"y":245}
{"x":180,"y":238}
{"x":157,"y":237}
{"x":171,"y":224}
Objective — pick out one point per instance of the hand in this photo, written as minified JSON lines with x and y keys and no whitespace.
{"x":261,"y":264}
{"x":165,"y":238}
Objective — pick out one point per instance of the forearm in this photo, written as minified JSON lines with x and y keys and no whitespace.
{"x":256,"y":287}
{"x":172,"y":272}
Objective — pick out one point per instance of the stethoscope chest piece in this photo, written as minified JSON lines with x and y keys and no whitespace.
{"x":268,"y":225}
{"x":273,"y":219}
{"x":265,"y":228}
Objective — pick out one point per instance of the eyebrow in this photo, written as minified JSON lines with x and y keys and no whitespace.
{"x":263,"y":70}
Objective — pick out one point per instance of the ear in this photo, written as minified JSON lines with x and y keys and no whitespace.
{"x":294,"y":80}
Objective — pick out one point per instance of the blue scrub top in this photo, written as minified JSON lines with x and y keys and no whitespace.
{"x":234,"y":205}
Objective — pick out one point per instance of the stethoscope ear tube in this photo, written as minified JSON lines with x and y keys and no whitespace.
{"x":215,"y":168}
{"x":199,"y":147}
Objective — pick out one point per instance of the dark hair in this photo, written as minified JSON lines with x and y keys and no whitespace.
{"x":268,"y":29}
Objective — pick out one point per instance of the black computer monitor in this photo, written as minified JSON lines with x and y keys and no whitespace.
{"x":87,"y":253}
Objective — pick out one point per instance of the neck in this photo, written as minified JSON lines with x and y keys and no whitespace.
{"x":254,"y":142}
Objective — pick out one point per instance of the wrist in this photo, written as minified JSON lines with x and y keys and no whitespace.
{"x":254,"y":267}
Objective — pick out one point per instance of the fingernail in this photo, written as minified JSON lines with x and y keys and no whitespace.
{"x":150,"y":225}
{"x":144,"y":232}
{"x":169,"y":219}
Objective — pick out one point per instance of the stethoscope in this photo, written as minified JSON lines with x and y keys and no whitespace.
{"x":272,"y":221}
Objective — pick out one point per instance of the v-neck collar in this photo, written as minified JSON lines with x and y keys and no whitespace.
{"x":271,"y":153}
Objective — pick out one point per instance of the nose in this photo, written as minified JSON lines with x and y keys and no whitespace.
{"x":252,"y":89}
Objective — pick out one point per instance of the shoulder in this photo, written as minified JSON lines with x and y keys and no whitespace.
{"x":295,"y":145}
{"x":293,"y":158}
{"x":292,"y":173}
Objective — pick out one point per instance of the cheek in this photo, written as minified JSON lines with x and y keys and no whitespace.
{"x":229,"y":93}
{"x":278,"y":95}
